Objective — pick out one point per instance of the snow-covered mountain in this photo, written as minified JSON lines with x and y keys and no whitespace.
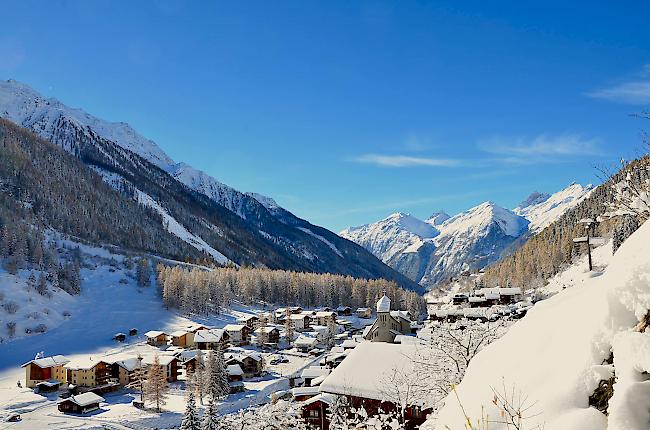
{"x":391,"y":236}
{"x":245,"y":228}
{"x":24,"y":106}
{"x":467,"y":241}
{"x":542,"y":209}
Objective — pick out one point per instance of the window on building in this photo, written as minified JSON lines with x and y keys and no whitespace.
{"x":314,"y":413}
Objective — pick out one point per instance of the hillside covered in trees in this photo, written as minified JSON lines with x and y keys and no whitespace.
{"x":43,"y":187}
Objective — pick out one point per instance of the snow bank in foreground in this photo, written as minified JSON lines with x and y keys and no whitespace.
{"x":555,"y":355}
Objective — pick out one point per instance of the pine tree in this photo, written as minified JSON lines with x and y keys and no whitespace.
{"x":338,"y":414}
{"x":217,"y":378}
{"x":211,"y":417}
{"x":41,"y":287}
{"x":156,"y":386}
{"x":143,"y":273}
{"x":190,"y":419}
{"x":31,"y":281}
{"x":199,"y":381}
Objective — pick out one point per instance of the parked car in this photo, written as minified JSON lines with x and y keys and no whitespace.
{"x":13,"y":418}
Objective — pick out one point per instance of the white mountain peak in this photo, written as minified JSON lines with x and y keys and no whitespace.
{"x":543,"y":212}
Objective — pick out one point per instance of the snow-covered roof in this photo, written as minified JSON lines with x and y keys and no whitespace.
{"x":401,"y":314}
{"x":234,"y":327}
{"x":266,"y":329}
{"x":383,"y":304}
{"x":328,"y":399}
{"x":83,"y":363}
{"x":314,"y":371}
{"x":154,"y":333}
{"x":363,"y":310}
{"x":209,"y":336}
{"x":234,"y":370}
{"x":177,"y":333}
{"x":188,"y":354}
{"x":164,"y":360}
{"x":248,"y":317}
{"x":343,"y":308}
{"x":240,"y":356}
{"x":195,"y":327}
{"x":474,"y":299}
{"x":45,"y":362}
{"x":305,"y":391}
{"x":307,"y":341}
{"x":318,"y":380}
{"x":510,"y":291}
{"x":368,"y":367}
{"x":298,"y":316}
{"x":127,"y":363}
{"x":84,"y":399}
{"x":323,"y":314}
{"x":349,"y":343}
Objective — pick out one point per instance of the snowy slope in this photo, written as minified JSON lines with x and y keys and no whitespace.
{"x":470,"y":240}
{"x":175,"y":228}
{"x":557,"y":354}
{"x":541,"y":211}
{"x":476,"y":221}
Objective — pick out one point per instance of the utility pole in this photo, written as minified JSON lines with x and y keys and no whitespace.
{"x":141,"y":378}
{"x":590,"y":227}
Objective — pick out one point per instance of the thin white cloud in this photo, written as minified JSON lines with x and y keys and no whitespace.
{"x":540,"y":148}
{"x":635,"y":91}
{"x":404,"y":161}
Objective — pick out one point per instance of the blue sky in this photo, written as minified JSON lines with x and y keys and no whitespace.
{"x":347,"y":111}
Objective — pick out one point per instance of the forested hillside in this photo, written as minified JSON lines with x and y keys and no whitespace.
{"x":45,"y":187}
{"x":545,"y":253}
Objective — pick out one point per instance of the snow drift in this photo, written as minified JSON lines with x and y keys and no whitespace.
{"x":557,"y":355}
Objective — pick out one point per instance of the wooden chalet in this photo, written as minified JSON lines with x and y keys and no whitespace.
{"x":251,"y":363}
{"x":315,"y":411}
{"x":81,"y":403}
{"x":267,"y":335}
{"x":156,"y":338}
{"x":182,"y":338}
{"x":344,"y":311}
{"x":239,"y":334}
{"x":211,"y":339}
{"x":251,"y":321}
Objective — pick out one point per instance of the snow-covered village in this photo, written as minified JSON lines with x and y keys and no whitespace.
{"x":362,"y":215}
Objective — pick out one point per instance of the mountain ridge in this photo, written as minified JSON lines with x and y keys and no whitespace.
{"x":470,"y":240}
